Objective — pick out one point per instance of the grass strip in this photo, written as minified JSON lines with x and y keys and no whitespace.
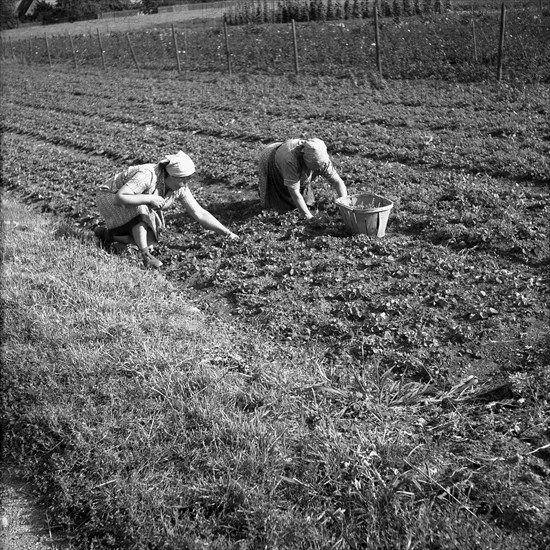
{"x":146,"y":424}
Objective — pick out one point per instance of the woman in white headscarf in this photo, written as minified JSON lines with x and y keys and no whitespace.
{"x":132,"y":202}
{"x":286,"y":171}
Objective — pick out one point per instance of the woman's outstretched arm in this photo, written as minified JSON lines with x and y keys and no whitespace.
{"x":207,"y":220}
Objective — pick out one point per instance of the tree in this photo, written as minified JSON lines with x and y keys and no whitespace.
{"x":322,"y":11}
{"x":396,"y":9}
{"x":347,"y":9}
{"x":259,"y":13}
{"x":150,"y":6}
{"x":330,"y":10}
{"x":8,"y":18}
{"x":304,"y":11}
{"x":45,"y":13}
{"x":75,"y":10}
{"x":248,"y":14}
{"x":338,"y":11}
{"x":313,"y":11}
{"x":385,"y":8}
{"x":286,"y":11}
{"x":293,"y":10}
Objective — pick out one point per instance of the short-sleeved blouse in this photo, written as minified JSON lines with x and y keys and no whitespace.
{"x":142,"y":179}
{"x":294,"y":175}
{"x":147,"y":179}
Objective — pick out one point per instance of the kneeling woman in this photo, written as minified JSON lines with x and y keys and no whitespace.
{"x":132,"y":203}
{"x":287,"y":170}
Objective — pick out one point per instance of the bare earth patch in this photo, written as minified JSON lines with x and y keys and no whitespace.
{"x":24,"y":523}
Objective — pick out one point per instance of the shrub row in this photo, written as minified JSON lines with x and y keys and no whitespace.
{"x":264,"y":11}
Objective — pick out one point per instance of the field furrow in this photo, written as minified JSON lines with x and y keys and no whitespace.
{"x":505,"y":141}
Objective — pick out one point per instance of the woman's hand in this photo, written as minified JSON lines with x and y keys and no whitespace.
{"x":319,"y":220}
{"x":300,"y":203}
{"x":232,"y":236}
{"x":156,"y":202}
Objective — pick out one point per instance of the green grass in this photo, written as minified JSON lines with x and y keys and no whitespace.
{"x":145,"y":423}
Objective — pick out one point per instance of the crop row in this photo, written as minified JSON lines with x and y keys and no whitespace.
{"x":226,"y":149}
{"x":375,"y":294}
{"x":382,"y":152}
{"x":508,"y":139}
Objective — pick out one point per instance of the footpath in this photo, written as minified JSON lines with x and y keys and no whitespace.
{"x":24,"y":524}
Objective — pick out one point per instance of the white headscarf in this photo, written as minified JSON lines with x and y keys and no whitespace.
{"x":179,"y":165}
{"x":315,"y":154}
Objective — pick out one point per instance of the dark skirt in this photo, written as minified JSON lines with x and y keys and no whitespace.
{"x":120,"y":219}
{"x":276,"y":195}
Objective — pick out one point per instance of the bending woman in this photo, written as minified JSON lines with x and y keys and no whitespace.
{"x":287,"y":170}
{"x":132,"y":202}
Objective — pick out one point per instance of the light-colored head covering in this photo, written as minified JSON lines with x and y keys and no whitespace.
{"x":315,"y":154}
{"x":179,"y":165}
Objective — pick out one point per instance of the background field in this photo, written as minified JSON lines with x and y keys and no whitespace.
{"x":200,"y":15}
{"x":335,"y":391}
{"x":457,"y":46}
{"x":208,"y":14}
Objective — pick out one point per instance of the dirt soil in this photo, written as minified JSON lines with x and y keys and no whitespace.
{"x":25,"y":524}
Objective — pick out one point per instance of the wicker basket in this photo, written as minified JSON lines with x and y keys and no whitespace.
{"x":367,"y":214}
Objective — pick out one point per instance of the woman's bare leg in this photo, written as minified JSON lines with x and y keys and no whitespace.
{"x":143,"y":238}
{"x":128,"y":239}
{"x":124,"y":239}
{"x":139,"y":232}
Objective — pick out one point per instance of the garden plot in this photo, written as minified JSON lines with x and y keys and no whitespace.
{"x":448,"y":309}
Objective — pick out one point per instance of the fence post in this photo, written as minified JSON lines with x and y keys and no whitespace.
{"x":73,"y":50}
{"x":185,"y":48}
{"x":101,"y":50}
{"x":48,"y":50}
{"x":501,"y":41}
{"x":176,"y":48}
{"x":132,"y":51}
{"x":227,"y":51}
{"x":474,"y":39}
{"x":377,"y":40}
{"x":296,"y":67}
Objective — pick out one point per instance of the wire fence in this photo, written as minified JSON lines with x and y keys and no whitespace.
{"x":465,"y":46}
